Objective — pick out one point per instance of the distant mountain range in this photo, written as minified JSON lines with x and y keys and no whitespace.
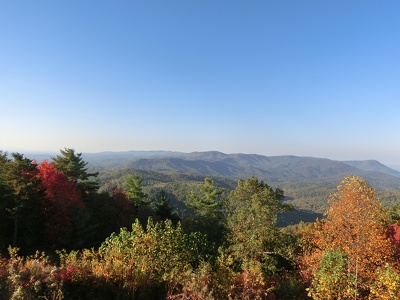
{"x":283,"y":169}
{"x":286,"y":168}
{"x":307,"y":181}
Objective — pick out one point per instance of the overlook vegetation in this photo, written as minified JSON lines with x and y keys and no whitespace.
{"x":68,"y":231}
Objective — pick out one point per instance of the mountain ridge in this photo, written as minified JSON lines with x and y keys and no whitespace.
{"x":233,"y":165}
{"x":307,"y":181}
{"x":279,"y":168}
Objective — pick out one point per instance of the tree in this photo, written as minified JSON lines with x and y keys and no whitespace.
{"x":109,"y":213}
{"x":74,"y":167}
{"x":137,"y":197}
{"x":393,"y":213}
{"x":61,"y":200}
{"x":387,"y":285}
{"x":24,"y":185}
{"x":163,"y":208}
{"x":252,"y":216}
{"x":355,"y":224}
{"x":331,"y":281}
{"x":6,"y":203}
{"x":4,"y":162}
{"x":133,"y":188}
{"x":393,"y":234}
{"x":124,"y":209}
{"x":209,"y":219}
{"x":207,"y":201}
{"x":148,"y":262}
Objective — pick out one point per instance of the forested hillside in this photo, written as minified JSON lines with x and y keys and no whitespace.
{"x":307,"y":181}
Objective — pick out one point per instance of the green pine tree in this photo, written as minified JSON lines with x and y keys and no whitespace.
{"x":74,"y":167}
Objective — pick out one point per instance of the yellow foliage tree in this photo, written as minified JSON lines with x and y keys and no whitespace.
{"x":387,"y":286}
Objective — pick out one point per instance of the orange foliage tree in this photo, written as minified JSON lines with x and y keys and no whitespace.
{"x":355,"y":227}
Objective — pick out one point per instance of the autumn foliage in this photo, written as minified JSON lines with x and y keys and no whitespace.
{"x":351,"y":244}
{"x":61,"y":199}
{"x":351,"y":253}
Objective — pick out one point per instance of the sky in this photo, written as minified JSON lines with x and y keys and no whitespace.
{"x":307,"y":78}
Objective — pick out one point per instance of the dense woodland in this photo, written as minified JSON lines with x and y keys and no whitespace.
{"x":62,"y":237}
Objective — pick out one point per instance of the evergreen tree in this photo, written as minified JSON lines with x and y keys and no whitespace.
{"x":24,"y":184}
{"x":6,"y":203}
{"x":209,"y":219}
{"x":207,"y":201}
{"x":4,"y":191}
{"x":163,"y":208}
{"x":4,"y":161}
{"x":74,"y":167}
{"x":136,"y":196}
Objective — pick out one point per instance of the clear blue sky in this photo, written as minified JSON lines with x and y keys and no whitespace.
{"x":308,"y":78}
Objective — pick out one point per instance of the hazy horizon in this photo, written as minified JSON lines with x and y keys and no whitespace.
{"x":317,"y":79}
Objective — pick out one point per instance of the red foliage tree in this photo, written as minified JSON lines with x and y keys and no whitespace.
{"x":125,"y":209}
{"x":393,"y":233}
{"x":61,"y":198}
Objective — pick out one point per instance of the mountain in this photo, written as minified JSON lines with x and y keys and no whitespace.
{"x":110,"y":160}
{"x":273,"y":169}
{"x":373,"y":165}
{"x":236,"y":166}
{"x":307,"y":181}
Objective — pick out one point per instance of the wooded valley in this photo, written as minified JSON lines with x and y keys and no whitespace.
{"x":197,"y":226}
